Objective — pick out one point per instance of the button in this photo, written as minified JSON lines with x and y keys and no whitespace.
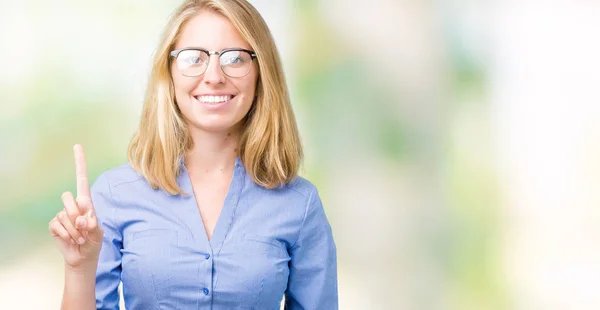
{"x":207,"y":256}
{"x":205,"y":290}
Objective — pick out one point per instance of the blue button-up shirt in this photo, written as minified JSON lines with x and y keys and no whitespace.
{"x":267,"y":243}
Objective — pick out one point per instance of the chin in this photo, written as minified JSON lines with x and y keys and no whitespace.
{"x":214,"y":124}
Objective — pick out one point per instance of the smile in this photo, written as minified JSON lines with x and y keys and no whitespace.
{"x":214,"y":99}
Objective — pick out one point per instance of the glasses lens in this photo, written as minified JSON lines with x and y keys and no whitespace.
{"x":192,"y":62}
{"x":236,"y":63}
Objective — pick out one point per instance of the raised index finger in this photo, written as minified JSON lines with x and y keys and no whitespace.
{"x":83,"y":185}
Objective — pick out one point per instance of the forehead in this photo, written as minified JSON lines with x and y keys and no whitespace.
{"x":210,"y":30}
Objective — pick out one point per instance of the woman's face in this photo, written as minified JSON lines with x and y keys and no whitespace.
{"x":212,"y":101}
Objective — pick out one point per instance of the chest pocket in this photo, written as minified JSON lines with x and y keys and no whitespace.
{"x":155,"y":261}
{"x":250,"y":271}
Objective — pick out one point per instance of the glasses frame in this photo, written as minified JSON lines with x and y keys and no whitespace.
{"x":175,"y":54}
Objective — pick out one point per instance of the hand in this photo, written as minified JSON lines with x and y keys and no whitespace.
{"x":75,"y":228}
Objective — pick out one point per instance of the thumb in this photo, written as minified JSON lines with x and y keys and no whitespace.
{"x":84,"y":203}
{"x":89,"y":224}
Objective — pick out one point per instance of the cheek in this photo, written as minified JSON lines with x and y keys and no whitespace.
{"x":249,"y":87}
{"x":182,"y":86}
{"x":248,"y":90}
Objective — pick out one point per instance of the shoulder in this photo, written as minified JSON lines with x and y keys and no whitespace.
{"x":107,"y":190}
{"x":300,"y":192}
{"x":117,"y":176}
{"x":314,"y":223}
{"x":296,"y":195}
{"x":306,"y":194}
{"x":302,"y":187}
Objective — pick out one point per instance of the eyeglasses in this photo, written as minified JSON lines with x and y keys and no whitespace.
{"x":192,"y":61}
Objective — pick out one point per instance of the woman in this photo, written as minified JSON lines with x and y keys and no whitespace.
{"x":209,"y":213}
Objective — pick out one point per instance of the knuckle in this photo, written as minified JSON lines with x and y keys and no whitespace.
{"x":84,"y":200}
{"x":71,"y":212}
{"x":73,"y":231}
{"x":92,"y":225}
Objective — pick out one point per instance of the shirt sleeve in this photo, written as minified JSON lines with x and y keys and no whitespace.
{"x":108,"y":274}
{"x":312,"y":282}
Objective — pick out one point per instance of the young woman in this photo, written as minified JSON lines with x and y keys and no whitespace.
{"x":209,"y":213}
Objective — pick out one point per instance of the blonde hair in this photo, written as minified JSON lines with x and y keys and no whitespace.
{"x":269,"y":144}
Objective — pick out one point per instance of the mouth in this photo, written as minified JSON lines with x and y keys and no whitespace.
{"x":215,"y":101}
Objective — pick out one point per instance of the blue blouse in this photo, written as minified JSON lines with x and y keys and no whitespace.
{"x":267,"y":243}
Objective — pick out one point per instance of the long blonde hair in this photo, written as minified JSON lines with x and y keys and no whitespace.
{"x":269,"y":145}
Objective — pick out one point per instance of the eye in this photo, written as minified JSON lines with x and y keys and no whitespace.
{"x":192,"y":60}
{"x":232,"y":60}
{"x":235,"y":60}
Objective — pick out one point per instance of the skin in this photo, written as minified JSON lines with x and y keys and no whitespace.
{"x":213,"y":32}
{"x":210,"y":163}
{"x":78,"y":236}
{"x":215,"y":132}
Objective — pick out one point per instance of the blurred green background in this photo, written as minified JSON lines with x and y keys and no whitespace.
{"x":454,"y":144}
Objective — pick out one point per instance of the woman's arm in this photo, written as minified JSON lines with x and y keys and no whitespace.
{"x":80,"y":288}
{"x":108,"y":271}
{"x":94,"y":284}
{"x":312,"y":282}
{"x":78,"y":235}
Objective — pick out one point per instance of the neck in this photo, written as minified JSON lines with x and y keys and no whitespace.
{"x":213,"y":152}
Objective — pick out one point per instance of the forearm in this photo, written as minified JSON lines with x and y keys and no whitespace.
{"x":80,"y":288}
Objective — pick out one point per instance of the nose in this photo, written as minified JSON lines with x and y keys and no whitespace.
{"x":214,"y":74}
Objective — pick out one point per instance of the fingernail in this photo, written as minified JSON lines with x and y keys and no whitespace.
{"x":81,"y":240}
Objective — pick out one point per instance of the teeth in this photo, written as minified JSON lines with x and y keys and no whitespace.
{"x":213,"y":99}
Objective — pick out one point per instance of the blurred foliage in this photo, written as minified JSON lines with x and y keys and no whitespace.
{"x":58,"y":114}
{"x":341,"y":96}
